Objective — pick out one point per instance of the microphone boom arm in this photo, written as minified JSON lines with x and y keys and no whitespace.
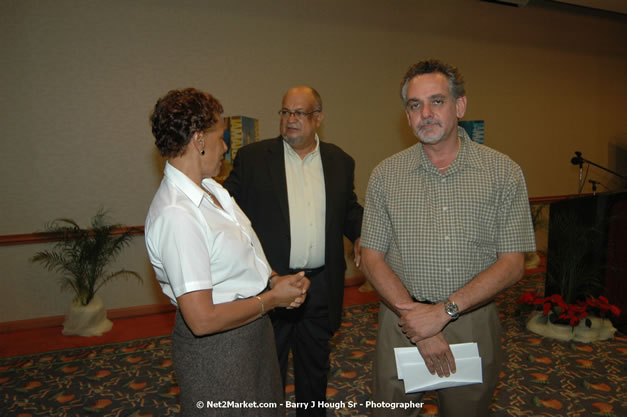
{"x":579,"y":160}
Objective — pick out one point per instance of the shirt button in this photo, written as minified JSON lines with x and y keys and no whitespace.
{"x":444,"y":208}
{"x":448,"y":269}
{"x":446,"y":237}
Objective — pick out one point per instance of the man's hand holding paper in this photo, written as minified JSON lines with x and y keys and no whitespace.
{"x":423,"y":324}
{"x":437,"y":355}
{"x":413,"y":371}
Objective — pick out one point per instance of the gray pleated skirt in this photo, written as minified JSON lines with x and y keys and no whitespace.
{"x":225,"y":374}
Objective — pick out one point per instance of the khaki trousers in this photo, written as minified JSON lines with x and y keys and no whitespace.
{"x":481,"y":326}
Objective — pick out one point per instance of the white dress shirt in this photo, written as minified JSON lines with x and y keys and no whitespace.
{"x":307,"y":204}
{"x":194,"y":245}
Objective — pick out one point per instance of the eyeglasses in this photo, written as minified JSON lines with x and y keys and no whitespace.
{"x":299,"y":114}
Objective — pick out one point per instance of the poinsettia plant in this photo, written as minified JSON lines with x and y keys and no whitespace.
{"x":558,"y":311}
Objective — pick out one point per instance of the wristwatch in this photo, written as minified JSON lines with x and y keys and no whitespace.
{"x":451,"y":309}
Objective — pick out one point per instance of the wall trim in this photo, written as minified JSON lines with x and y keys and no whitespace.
{"x":33,"y":238}
{"x":113,"y":314}
{"x":44,"y":237}
{"x":554,"y":198}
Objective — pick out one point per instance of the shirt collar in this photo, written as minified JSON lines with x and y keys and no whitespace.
{"x":220,"y":193}
{"x":292,"y":153}
{"x":183,"y":183}
{"x":468,"y":152}
{"x":467,"y":156}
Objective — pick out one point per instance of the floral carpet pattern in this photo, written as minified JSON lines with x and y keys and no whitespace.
{"x":541,"y":377}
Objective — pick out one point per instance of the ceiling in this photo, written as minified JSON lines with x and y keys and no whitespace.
{"x":614,"y":6}
{"x":618,"y":6}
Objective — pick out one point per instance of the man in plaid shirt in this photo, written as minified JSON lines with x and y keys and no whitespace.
{"x":445,"y":228}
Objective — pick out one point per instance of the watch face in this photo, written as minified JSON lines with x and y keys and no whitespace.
{"x":451,"y":309}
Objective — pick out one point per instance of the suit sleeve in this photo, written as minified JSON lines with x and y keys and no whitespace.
{"x":354,"y":211}
{"x":233,"y":183}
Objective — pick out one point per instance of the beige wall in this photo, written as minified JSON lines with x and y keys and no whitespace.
{"x":79,"y":78}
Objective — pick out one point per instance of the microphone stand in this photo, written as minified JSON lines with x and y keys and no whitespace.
{"x":579,"y":160}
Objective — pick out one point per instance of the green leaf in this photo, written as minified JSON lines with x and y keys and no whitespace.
{"x":81,"y":256}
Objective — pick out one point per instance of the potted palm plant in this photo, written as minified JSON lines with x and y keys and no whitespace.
{"x":81,"y":257}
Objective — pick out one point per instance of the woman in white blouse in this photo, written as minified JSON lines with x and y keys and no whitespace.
{"x":209,"y":262}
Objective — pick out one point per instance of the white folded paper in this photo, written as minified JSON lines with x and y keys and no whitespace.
{"x":412,"y":370}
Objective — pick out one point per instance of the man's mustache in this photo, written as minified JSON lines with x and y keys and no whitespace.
{"x":428,"y":122}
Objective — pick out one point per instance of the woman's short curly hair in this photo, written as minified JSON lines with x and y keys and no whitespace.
{"x":178,"y":115}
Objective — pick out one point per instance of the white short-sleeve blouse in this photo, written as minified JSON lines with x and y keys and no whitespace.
{"x":194,"y":245}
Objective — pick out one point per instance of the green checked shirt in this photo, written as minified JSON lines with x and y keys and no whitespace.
{"x":438,"y":231}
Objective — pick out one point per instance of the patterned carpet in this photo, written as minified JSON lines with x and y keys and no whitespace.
{"x":541,"y":377}
{"x":547,"y":377}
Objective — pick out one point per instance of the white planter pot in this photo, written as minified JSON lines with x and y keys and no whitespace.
{"x":532,"y":260}
{"x":601,"y":329}
{"x":89,"y":320}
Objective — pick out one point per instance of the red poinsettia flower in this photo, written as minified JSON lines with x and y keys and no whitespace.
{"x":577,"y":308}
{"x":605,"y":306}
{"x":592,"y":302}
{"x":531,"y":297}
{"x":557,"y":299}
{"x":573,"y":313}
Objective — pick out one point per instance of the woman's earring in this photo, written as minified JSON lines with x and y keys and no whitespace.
{"x":202,"y":152}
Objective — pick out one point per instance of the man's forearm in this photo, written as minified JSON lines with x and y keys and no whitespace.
{"x":505,"y":272}
{"x":423,"y":321}
{"x":384,"y":280}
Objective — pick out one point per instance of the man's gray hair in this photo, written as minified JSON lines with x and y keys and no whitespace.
{"x":317,"y":98}
{"x":456,"y":81}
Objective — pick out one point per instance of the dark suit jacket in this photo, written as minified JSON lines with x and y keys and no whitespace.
{"x":258,"y":184}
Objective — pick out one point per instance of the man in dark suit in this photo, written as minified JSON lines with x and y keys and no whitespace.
{"x":298,"y":192}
